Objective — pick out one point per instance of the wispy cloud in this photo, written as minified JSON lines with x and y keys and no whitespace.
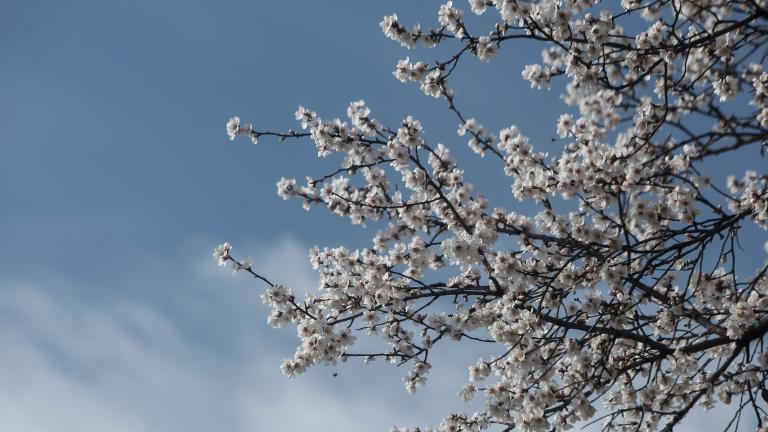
{"x":74,"y":363}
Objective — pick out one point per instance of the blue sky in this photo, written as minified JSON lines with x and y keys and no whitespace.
{"x":117,"y":181}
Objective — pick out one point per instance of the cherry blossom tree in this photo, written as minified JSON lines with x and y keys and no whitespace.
{"x":617,"y":302}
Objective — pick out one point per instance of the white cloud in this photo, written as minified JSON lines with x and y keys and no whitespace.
{"x":88,"y":363}
{"x":76,"y":368}
{"x":91,"y":364}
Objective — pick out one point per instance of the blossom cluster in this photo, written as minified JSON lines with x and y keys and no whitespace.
{"x":621,"y":293}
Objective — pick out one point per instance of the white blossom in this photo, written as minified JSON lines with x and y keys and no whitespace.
{"x":233,"y":127}
{"x":221,"y":253}
{"x":486,"y":48}
{"x":619,"y":281}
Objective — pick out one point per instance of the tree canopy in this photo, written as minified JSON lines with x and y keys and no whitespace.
{"x":618,"y":301}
